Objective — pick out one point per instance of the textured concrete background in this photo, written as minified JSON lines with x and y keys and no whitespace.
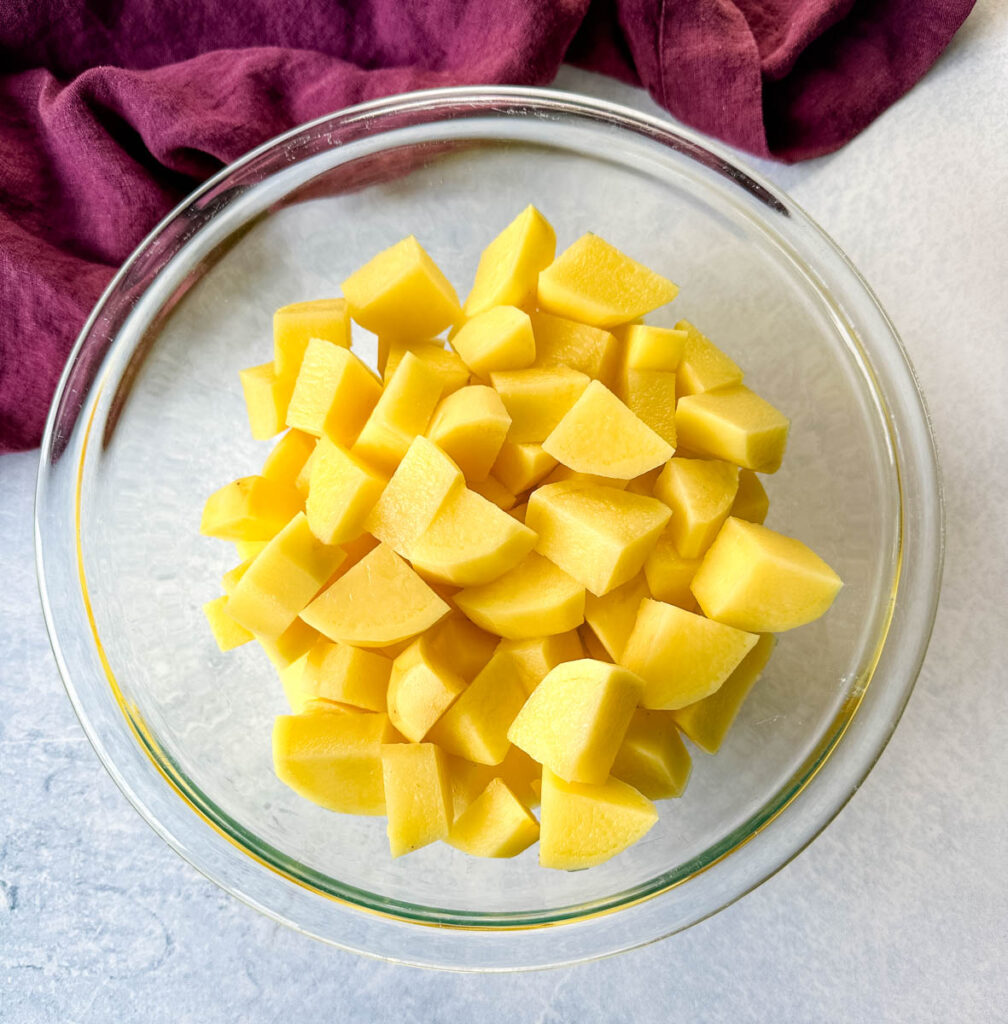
{"x":899,"y":912}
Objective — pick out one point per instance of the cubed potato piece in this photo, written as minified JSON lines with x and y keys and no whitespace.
{"x":333,"y":760}
{"x":251,"y":508}
{"x":380,"y":601}
{"x":612,"y":616}
{"x":290,"y":646}
{"x":423,"y":482}
{"x":653,"y":758}
{"x":703,"y":366}
{"x":422,"y":686}
{"x":230,"y":579}
{"x":402,"y":413}
{"x":700,"y":493}
{"x":522,"y":775}
{"x":295,"y":685}
{"x":294,"y":325}
{"x":535,"y":598}
{"x":228,"y":633}
{"x":669,"y":575}
{"x":499,"y":339}
{"x":734,"y":424}
{"x":402,"y":293}
{"x":282,"y":579}
{"x":509,"y":266}
{"x":565,"y":473}
{"x":751,"y":502}
{"x":470,"y":425}
{"x":519,"y":466}
{"x":495,"y":824}
{"x":651,"y":396}
{"x":285,"y":461}
{"x":573,"y":722}
{"x":536,"y":657}
{"x":347,"y":675}
{"x":646,"y":347}
{"x":475,"y":726}
{"x":682,"y":657}
{"x":334,"y":393}
{"x":562,"y":342}
{"x":248,"y":549}
{"x":757,"y":579}
{"x":470,"y":542}
{"x":594,"y":648}
{"x":644,"y":484}
{"x":462,"y":644}
{"x":266,"y":399}
{"x":355,"y":550}
{"x":417,"y":795}
{"x":343,"y":490}
{"x":583,"y":825}
{"x":600,"y":435}
{"x":446,"y":364}
{"x":494,"y":491}
{"x":592,"y":281}
{"x":537,"y":399}
{"x":707,"y":721}
{"x":598,"y":535}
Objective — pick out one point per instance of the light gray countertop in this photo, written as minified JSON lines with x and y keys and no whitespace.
{"x":898,"y":912}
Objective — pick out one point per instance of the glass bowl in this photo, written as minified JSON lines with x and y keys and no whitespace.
{"x":149,"y":419}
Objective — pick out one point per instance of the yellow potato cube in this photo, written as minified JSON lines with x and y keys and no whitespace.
{"x":355,"y":550}
{"x":537,"y":399}
{"x":582,"y":825}
{"x":294,"y":325}
{"x":230,"y":579}
{"x":294,"y":683}
{"x":612,"y":616}
{"x":470,"y":542}
{"x":495,"y":824}
{"x":565,"y":473}
{"x":751,"y":502}
{"x":669,"y":575}
{"x":757,"y":579}
{"x":651,"y":396}
{"x":380,"y":601}
{"x":402,"y":413}
{"x":562,"y":342}
{"x":733,"y":424}
{"x":461,"y":644}
{"x":519,"y":466}
{"x":598,"y":535}
{"x":282,"y":579}
{"x":652,"y":348}
{"x":653,"y":758}
{"x":470,"y":425}
{"x":681,"y":657}
{"x":535,"y":598}
{"x":499,"y":339}
{"x":418,"y":797}
{"x":509,"y":266}
{"x":421,"y":688}
{"x":600,"y":435}
{"x":251,"y":508}
{"x":521,"y":774}
{"x":573,"y":722}
{"x":342,"y":492}
{"x":494,"y":491}
{"x":266,"y":399}
{"x":703,"y":366}
{"x":228,"y":633}
{"x":707,"y":721}
{"x":248,"y":549}
{"x":446,"y":364}
{"x":333,"y":760}
{"x":402,"y":293}
{"x":284,"y":463}
{"x":700,"y":493}
{"x":533,"y":659}
{"x":303,"y":478}
{"x":347,"y":675}
{"x":290,"y":646}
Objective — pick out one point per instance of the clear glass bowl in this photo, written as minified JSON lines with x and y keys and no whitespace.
{"x":149,"y":420}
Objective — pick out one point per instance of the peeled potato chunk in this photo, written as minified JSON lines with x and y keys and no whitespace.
{"x":499,"y":339}
{"x":520,"y":466}
{"x":651,"y":396}
{"x":562,"y":342}
{"x":347,"y":675}
{"x":417,"y":795}
{"x":646,"y":347}
{"x":537,"y":399}
{"x":294,"y":325}
{"x":288,"y":456}
{"x":703,"y":366}
{"x":266,"y":399}
{"x":228,"y":633}
{"x":495,"y":492}
{"x":495,"y":824}
{"x":454,"y":374}
{"x":751,"y":502}
{"x":249,"y":509}
{"x":522,"y":775}
{"x":652,"y":757}
{"x":470,"y":426}
{"x":700,"y":493}
{"x":669,"y":575}
{"x":612,"y":616}
{"x":461,"y":644}
{"x":533,"y":659}
{"x":422,"y":686}
{"x":342,"y":491}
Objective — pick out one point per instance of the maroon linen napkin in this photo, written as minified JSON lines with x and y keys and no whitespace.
{"x":111,"y":111}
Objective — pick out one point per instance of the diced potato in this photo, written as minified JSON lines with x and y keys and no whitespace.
{"x":266,"y":399}
{"x":703,"y":366}
{"x":499,"y":339}
{"x":251,"y":508}
{"x":534,"y":658}
{"x":565,"y":473}
{"x":380,"y":601}
{"x":651,"y":396}
{"x":230,"y":579}
{"x":535,"y":598}
{"x":248,"y":549}
{"x":355,"y":550}
{"x":612,"y":616}
{"x":290,"y":646}
{"x":583,"y":825}
{"x":751,"y":502}
{"x":422,"y":686}
{"x":519,"y":466}
{"x":562,"y":342}
{"x":669,"y":574}
{"x":757,"y":579}
{"x":417,"y":795}
{"x":707,"y":721}
{"x":342,"y":492}
{"x":494,"y":491}
{"x":646,"y":347}
{"x":592,"y":281}
{"x":228,"y":633}
{"x":295,"y":684}
{"x":461,"y":644}
{"x":537,"y":399}
{"x":402,"y":293}
{"x":574,"y":720}
{"x":509,"y":266}
{"x":282,"y":579}
{"x":495,"y":824}
{"x":682,"y":657}
{"x":294,"y":325}
{"x":470,"y":425}
{"x":653,"y":758}
{"x":284,"y":463}
{"x":470,"y":542}
{"x":700,"y":493}
{"x":446,"y":364}
{"x":522,"y":775}
{"x":600,"y":435}
{"x":333,"y":760}
{"x":347,"y":675}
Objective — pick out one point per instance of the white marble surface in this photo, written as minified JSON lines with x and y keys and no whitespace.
{"x":899,"y":912}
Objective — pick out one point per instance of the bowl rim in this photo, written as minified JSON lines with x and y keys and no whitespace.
{"x":930,"y":526}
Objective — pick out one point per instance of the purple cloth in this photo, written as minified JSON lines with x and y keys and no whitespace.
{"x":111,"y":111}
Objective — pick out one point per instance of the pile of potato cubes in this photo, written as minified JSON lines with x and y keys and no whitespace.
{"x":515,"y":569}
